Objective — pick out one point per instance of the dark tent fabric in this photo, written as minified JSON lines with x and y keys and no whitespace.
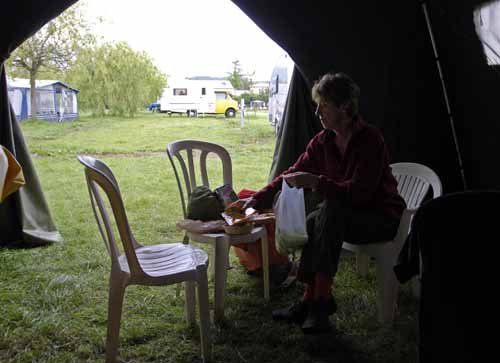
{"x":386,"y":48}
{"x":457,"y":275}
{"x":301,"y":125}
{"x":24,"y":216}
{"x":368,"y":40}
{"x":472,"y":86}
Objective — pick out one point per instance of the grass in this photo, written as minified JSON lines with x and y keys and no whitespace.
{"x":53,"y":300}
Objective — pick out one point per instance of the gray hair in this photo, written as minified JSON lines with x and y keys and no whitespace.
{"x":339,"y":89}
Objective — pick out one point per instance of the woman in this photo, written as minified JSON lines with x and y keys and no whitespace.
{"x":347,"y":163}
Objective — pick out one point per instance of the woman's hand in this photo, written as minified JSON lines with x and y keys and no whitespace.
{"x":243,"y":204}
{"x":302,"y":179}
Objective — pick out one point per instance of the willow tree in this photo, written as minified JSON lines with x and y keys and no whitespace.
{"x":54,"y":48}
{"x":114,"y":79}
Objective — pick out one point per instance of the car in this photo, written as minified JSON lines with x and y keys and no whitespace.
{"x":154,"y":107}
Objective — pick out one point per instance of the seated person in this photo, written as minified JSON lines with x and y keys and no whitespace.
{"x":347,"y":163}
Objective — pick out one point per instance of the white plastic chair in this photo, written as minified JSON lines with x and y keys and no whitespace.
{"x":191,"y":156}
{"x":161,"y":264}
{"x":414,"y":181}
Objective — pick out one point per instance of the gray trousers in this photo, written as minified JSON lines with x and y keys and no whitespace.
{"x":333,"y":223}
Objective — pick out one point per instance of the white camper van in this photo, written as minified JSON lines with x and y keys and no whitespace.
{"x":197,"y":96}
{"x":278,"y":89}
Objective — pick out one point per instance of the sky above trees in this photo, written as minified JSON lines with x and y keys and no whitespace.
{"x":188,"y":37}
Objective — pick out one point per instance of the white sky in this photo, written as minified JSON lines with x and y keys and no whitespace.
{"x":189,"y":37}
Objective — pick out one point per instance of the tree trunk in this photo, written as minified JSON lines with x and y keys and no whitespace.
{"x":33,"y":94}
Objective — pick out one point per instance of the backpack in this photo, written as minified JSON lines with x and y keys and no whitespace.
{"x":204,"y":205}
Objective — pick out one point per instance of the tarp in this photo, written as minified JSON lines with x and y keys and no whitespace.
{"x":385,"y":46}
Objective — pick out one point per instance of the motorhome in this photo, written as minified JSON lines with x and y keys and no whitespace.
{"x":278,"y":90}
{"x":193,"y":97}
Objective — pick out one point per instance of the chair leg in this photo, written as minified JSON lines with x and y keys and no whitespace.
{"x":362,"y":261}
{"x":212,"y":266}
{"x":204,"y":315}
{"x":115,"y":304}
{"x":190,"y":307}
{"x":220,"y":261}
{"x":265,"y":265}
{"x":185,"y":241}
{"x":388,"y":288}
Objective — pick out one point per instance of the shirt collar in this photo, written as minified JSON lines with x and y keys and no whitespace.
{"x":358,"y":126}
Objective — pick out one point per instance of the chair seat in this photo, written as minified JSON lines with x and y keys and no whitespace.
{"x":167,"y":259}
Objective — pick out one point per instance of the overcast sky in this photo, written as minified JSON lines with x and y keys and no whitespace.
{"x":189,"y":37}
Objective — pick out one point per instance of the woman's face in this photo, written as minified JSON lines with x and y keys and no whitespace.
{"x":329,"y":114}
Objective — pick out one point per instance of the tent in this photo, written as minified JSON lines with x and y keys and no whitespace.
{"x":56,"y":100}
{"x":426,"y":70}
{"x":385,"y":46}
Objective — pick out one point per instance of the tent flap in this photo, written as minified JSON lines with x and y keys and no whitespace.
{"x":386,"y":48}
{"x":24,"y":216}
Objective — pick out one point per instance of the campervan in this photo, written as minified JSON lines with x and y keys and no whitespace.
{"x":192,"y":97}
{"x":278,"y":90}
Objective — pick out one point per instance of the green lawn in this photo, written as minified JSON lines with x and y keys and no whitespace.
{"x":53,"y":300}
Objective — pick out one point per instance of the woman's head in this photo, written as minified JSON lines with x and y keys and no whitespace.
{"x":338,"y":89}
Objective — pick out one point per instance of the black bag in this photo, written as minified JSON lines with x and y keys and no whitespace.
{"x":204,"y":205}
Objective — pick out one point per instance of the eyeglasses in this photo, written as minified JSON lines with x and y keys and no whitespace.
{"x":316,"y":113}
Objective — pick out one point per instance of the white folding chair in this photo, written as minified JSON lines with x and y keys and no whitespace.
{"x":192,"y":156}
{"x":414,"y":181}
{"x":160,"y":264}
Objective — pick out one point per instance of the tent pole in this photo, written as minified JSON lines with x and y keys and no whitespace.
{"x":445,"y":93}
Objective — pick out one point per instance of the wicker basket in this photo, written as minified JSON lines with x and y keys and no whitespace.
{"x":239,"y":229}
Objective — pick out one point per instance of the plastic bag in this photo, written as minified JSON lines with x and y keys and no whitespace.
{"x":291,"y":230}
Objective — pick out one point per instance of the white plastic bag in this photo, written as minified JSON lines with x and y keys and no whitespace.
{"x":291,"y":230}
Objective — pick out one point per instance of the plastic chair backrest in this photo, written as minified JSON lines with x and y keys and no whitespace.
{"x":414,"y":181}
{"x":100,"y":177}
{"x":195,"y":160}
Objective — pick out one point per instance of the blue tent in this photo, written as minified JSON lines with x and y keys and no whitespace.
{"x":56,"y":101}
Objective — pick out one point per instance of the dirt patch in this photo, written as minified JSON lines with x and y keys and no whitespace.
{"x":135,"y":154}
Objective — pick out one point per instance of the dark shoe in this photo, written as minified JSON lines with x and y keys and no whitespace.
{"x":295,"y":313}
{"x":317,"y":320}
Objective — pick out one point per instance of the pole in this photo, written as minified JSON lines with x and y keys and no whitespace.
{"x":242,"y":113}
{"x":445,"y":93}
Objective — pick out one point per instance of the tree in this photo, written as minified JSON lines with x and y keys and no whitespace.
{"x":238,"y":79}
{"x":115,"y":79}
{"x":53,"y":48}
{"x":235,"y":77}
